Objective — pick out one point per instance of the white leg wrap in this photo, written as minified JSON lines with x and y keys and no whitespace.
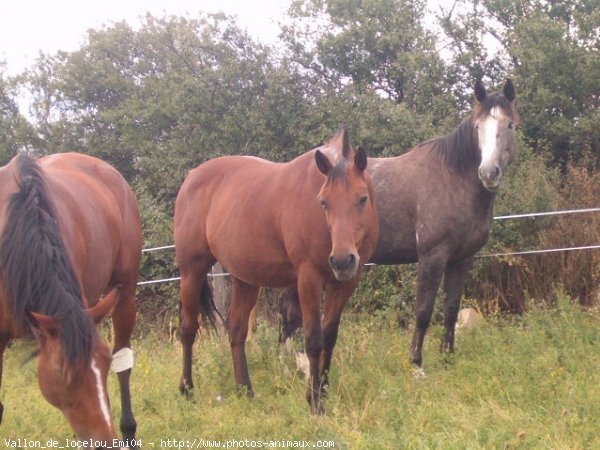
{"x":122,"y":360}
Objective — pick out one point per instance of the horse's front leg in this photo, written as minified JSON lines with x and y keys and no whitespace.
{"x":336,"y":297}
{"x":310,"y":286}
{"x":4,"y":339}
{"x":454,"y":281}
{"x":429,"y":275}
{"x":123,"y":318}
{"x":243,"y":299}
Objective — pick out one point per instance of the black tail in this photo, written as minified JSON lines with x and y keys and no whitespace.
{"x":207,"y":307}
{"x":290,"y":313}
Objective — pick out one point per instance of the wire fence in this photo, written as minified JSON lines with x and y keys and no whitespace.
{"x":482,"y":255}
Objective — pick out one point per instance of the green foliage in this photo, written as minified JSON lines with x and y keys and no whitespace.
{"x":551,"y":51}
{"x":527,"y":383}
{"x":15,"y":131}
{"x":158,"y":100}
{"x":160,"y":301}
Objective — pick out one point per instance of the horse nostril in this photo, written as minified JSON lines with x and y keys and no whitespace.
{"x":342,"y":264}
{"x":489,"y":173}
{"x":350,"y":260}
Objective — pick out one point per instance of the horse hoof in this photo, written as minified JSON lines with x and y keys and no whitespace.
{"x":315,"y":403}
{"x":186,"y":389}
{"x":244,"y":391}
{"x":446,"y":346}
{"x":419,"y":373}
{"x":128,"y":431}
{"x":317,"y":410}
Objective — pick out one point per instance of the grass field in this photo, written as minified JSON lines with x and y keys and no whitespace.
{"x":526,"y":382}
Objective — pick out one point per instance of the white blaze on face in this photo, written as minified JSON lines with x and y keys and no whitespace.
{"x":488,"y":134}
{"x":102,"y":397}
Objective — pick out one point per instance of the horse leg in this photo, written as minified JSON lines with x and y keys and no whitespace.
{"x":429,"y":275}
{"x":189,"y":298}
{"x":454,"y":280}
{"x":336,"y":297}
{"x":309,"y":291}
{"x":4,"y":339}
{"x":251,"y":323}
{"x":123,"y":318}
{"x":243,"y":299}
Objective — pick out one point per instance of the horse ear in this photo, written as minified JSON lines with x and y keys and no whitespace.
{"x":480,"y":93}
{"x":509,"y":90}
{"x":360,"y":159}
{"x":44,"y":326}
{"x":323,"y":162}
{"x":104,"y":306}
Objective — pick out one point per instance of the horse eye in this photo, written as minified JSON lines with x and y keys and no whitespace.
{"x":323,"y":203}
{"x":511,"y":125}
{"x":363,"y":201}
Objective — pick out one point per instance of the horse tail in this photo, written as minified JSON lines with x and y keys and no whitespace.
{"x":290,"y":313}
{"x":36,"y":270}
{"x":208,"y":309}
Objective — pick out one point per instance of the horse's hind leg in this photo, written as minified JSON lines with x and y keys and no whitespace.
{"x":191,"y":286}
{"x":454,"y":280}
{"x":4,"y":339}
{"x":243,"y":299}
{"x":123,"y":318}
{"x":429,"y":275}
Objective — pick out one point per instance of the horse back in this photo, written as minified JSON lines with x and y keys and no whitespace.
{"x":424,"y":206}
{"x":99,"y":219}
{"x":252,"y":215}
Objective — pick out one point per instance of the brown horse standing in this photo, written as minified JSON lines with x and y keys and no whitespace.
{"x":435,"y":206}
{"x":264,"y":222}
{"x":70,"y":232}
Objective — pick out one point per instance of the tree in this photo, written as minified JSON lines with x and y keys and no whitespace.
{"x":158,"y":101}
{"x":377,"y":67}
{"x":15,"y":132}
{"x":551,"y":48}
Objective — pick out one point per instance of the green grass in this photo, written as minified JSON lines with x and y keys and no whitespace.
{"x":529,"y":382}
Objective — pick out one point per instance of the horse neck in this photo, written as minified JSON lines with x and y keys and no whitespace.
{"x":487,"y":200}
{"x":460,"y":153}
{"x":481,"y":196}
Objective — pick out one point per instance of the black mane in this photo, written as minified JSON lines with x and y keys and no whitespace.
{"x":459,"y":149}
{"x":36,"y":270}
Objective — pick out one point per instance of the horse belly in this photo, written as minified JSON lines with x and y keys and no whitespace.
{"x":395,"y":247}
{"x":254,"y":256}
{"x":267,"y":274}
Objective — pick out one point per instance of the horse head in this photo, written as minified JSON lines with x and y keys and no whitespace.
{"x":348,"y":201}
{"x":77,"y":387}
{"x":495,"y":120}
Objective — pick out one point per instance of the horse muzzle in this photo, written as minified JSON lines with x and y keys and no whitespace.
{"x":490,"y":176}
{"x":344,"y":268}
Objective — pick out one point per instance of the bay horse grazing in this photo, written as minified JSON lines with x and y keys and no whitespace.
{"x":311,"y":221}
{"x":69,"y":233}
{"x":435,"y":206}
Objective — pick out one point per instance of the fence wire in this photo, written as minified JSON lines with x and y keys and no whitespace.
{"x":482,"y":255}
